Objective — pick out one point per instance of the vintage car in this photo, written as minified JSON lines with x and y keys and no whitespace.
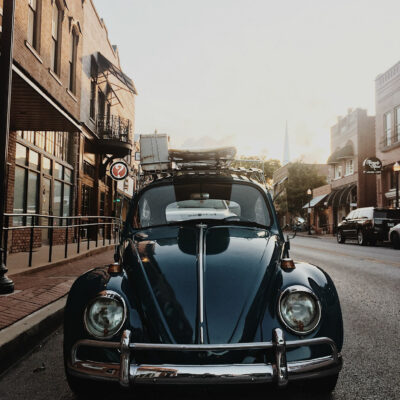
{"x":207,"y":300}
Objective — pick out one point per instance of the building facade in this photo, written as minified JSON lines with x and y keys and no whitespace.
{"x":387,"y":98}
{"x":65,"y":125}
{"x":352,"y":141}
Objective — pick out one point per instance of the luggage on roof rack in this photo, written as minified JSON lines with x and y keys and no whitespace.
{"x":207,"y":156}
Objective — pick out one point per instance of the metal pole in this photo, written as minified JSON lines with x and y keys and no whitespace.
{"x":6,"y":61}
{"x":309,"y":215}
{"x":397,"y":189}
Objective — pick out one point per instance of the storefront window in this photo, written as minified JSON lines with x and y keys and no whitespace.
{"x":19,"y":195}
{"x":33,"y":159}
{"x":20,"y":154}
{"x":37,"y":169}
{"x":46,"y":166}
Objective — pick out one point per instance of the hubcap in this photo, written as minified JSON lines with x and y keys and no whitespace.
{"x":360,"y":237}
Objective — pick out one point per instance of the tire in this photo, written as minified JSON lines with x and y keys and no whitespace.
{"x":87,"y":389}
{"x":395,"y":239}
{"x":339,"y":237}
{"x":361,"y":239}
{"x":321,"y":387}
{"x":324,"y":385}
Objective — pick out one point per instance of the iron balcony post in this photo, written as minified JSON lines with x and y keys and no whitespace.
{"x":6,"y":62}
{"x":6,"y":239}
{"x":79,"y":235}
{"x":97,"y":231}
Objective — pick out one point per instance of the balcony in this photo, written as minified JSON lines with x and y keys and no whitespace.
{"x":114,"y":134}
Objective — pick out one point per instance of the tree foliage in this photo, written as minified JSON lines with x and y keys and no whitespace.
{"x":301,"y":177}
{"x":269,"y":166}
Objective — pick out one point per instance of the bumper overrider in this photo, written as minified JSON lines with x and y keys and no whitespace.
{"x":128,"y":373}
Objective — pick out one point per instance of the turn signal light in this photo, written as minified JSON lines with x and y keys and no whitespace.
{"x":114,"y":268}
{"x":287,"y":263}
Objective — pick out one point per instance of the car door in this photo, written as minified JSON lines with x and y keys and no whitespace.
{"x":346,"y":225}
{"x":352,"y":225}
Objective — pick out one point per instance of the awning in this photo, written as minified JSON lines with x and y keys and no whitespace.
{"x":340,"y":196}
{"x":314,"y":201}
{"x":33,"y":109}
{"x":343,"y":153}
{"x":106,"y":67}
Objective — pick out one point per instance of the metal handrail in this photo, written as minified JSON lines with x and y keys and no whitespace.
{"x":86,"y":221}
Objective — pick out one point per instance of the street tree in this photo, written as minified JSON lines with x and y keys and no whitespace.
{"x":301,"y":177}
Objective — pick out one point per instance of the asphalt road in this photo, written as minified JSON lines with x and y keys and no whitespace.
{"x":368,"y":282}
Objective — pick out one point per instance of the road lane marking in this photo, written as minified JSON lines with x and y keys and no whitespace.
{"x":375,"y":260}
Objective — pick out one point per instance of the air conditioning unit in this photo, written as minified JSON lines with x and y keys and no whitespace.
{"x":154,"y":152}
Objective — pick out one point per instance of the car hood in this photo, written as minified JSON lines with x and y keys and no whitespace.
{"x":238,"y":265}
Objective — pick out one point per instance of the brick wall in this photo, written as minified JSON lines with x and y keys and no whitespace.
{"x":37,"y":63}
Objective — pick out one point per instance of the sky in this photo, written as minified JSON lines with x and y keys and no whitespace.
{"x":232,"y":72}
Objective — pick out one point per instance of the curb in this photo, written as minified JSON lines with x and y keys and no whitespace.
{"x":31,"y":270}
{"x":20,"y":338}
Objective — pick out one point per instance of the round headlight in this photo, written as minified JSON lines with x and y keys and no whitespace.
{"x":299,"y":309}
{"x":105,"y":315}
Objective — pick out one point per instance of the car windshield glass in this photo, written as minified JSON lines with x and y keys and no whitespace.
{"x":392,"y":214}
{"x":183,"y":202}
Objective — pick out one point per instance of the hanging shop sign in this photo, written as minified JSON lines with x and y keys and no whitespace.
{"x":119,"y":170}
{"x":372,"y":165}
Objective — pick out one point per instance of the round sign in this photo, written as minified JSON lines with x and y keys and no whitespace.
{"x":119,"y":170}
{"x":372,"y":165}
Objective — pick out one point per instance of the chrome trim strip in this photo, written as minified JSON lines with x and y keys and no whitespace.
{"x":200,"y":276}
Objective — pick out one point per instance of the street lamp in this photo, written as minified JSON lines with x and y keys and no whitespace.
{"x":396,"y":169}
{"x":309,"y":193}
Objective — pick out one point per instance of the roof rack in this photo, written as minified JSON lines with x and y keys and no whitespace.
{"x":211,"y":162}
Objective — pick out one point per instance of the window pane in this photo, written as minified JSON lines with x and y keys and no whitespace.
{"x":67,"y":197}
{"x":33,"y":159}
{"x":32,"y":203}
{"x":57,"y":198}
{"x":40,"y":139}
{"x":67,"y":175}
{"x":54,"y":22}
{"x":58,"y":171}
{"x":19,"y":194}
{"x":31,"y":26}
{"x":20,"y":154}
{"x":50,"y":142}
{"x":46,"y":166}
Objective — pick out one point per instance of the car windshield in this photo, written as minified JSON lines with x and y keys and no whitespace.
{"x":391,"y":214}
{"x":172,"y":203}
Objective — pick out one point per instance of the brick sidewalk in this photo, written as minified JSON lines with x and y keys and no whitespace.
{"x":42,"y":287}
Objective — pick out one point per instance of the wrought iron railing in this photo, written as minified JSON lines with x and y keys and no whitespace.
{"x":114,"y":127}
{"x":77,"y":231}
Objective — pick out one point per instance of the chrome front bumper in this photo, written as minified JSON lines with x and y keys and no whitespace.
{"x":129,"y":373}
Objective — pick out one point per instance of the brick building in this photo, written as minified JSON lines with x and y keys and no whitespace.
{"x":387,"y":98}
{"x":352,"y":141}
{"x":72,"y":110}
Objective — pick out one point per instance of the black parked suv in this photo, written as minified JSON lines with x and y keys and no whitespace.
{"x":367,"y":225}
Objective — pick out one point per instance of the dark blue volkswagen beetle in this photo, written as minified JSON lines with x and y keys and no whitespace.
{"x":203,"y":292}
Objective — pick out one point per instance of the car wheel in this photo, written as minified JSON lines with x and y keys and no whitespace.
{"x":340,"y":238}
{"x":361,"y":238}
{"x":324,"y":385}
{"x":395,"y":239}
{"x":88,"y":389}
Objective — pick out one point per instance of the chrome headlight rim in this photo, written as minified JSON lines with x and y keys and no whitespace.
{"x":108,"y":294}
{"x":300,"y":289}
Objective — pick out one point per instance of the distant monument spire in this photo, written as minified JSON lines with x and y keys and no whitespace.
{"x":286,"y":153}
